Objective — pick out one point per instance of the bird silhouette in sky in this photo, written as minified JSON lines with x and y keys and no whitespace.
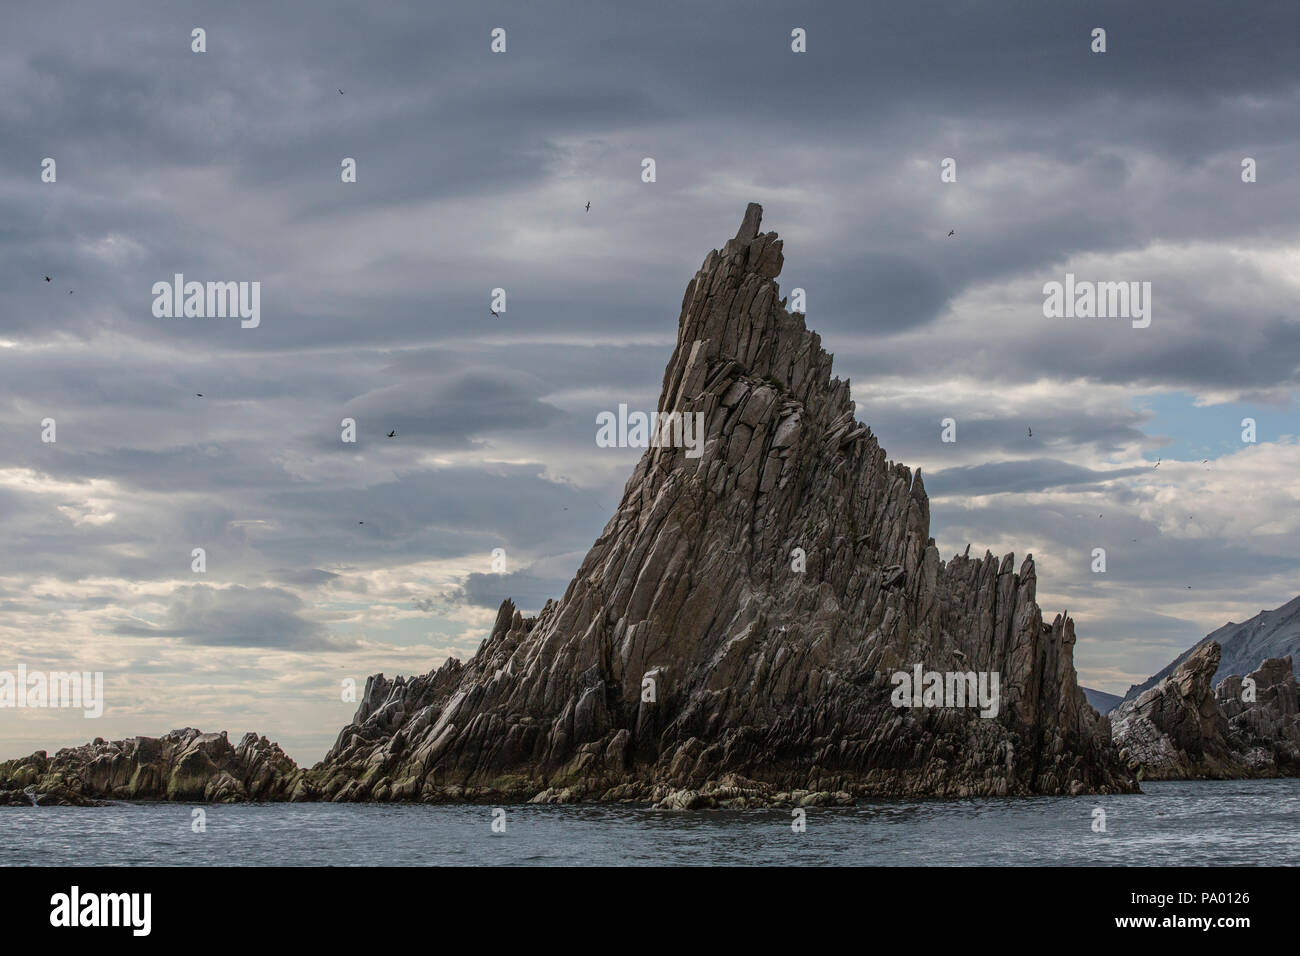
{"x":47,"y":278}
{"x":1031,"y":433}
{"x":340,"y":91}
{"x":494,"y":313}
{"x":589,"y":205}
{"x":951,"y":233}
{"x":198,"y":394}
{"x":393,"y":433}
{"x":1158,"y":461}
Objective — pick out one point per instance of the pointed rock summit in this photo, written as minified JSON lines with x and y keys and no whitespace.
{"x":734,"y":634}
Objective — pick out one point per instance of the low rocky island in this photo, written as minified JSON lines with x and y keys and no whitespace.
{"x":184,"y":765}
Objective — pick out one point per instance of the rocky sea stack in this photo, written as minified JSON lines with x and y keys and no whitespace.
{"x":1183,"y":728}
{"x":693,"y":661}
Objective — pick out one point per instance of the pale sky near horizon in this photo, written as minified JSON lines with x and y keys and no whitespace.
{"x":473,"y":169}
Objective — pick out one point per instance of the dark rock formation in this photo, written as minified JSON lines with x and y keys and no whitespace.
{"x":693,"y":661}
{"x":1176,"y":730}
{"x":184,"y":765}
{"x":1182,"y":729}
{"x":1266,"y":730}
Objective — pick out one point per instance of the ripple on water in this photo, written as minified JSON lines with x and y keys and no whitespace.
{"x":1175,"y":822}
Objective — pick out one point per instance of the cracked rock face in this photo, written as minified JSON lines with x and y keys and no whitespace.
{"x":732,"y":633}
{"x":1175,"y":730}
{"x":1182,"y":729}
{"x":183,"y":765}
{"x":1265,"y":731}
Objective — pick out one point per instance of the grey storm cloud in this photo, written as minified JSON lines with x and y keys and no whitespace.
{"x":449,"y":512}
{"x":1019,"y":476}
{"x":304,"y":577}
{"x":912,"y":430}
{"x":529,"y":592}
{"x":453,"y":409}
{"x":236,"y":617}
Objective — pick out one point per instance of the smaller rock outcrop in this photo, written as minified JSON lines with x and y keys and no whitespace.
{"x":1175,"y":730}
{"x":1265,"y":730}
{"x":1183,"y":729}
{"x":183,"y":765}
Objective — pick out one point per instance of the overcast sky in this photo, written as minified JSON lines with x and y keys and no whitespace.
{"x":473,"y":169}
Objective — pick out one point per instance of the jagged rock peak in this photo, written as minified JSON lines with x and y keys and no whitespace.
{"x":736,"y":624}
{"x":732,"y":312}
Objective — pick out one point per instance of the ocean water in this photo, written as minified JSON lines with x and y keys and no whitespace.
{"x":1186,"y":823}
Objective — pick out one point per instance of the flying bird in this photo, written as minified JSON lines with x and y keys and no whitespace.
{"x":1031,"y":433}
{"x":47,"y":278}
{"x":951,"y":233}
{"x":198,"y":394}
{"x":494,"y":314}
{"x":589,"y":205}
{"x":340,"y":92}
{"x":393,"y":433}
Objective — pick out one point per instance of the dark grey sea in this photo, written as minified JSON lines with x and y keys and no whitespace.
{"x":1219,"y":823}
